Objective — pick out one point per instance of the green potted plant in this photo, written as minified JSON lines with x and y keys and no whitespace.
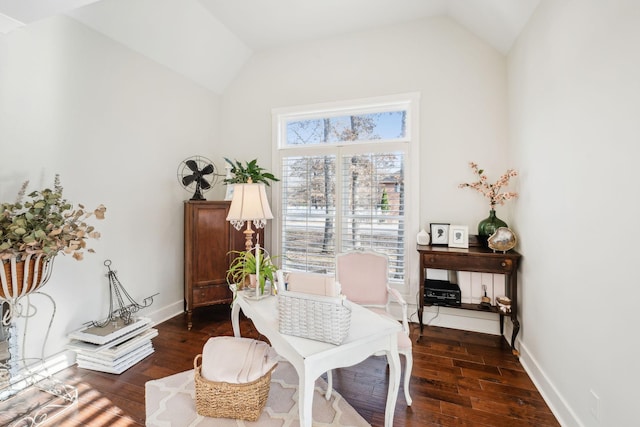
{"x":243,"y":267}
{"x":248,"y":172}
{"x":35,"y":228}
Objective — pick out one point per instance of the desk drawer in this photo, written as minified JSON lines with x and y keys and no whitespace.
{"x":213,"y":294}
{"x":487,"y":263}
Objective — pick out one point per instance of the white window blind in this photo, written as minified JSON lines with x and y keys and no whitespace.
{"x":343,"y":183}
{"x":308,"y":213}
{"x":373,"y":206}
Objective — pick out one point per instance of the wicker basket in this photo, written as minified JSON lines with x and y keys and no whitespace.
{"x":22,"y":277}
{"x":226,"y":400}
{"x":316,"y":317}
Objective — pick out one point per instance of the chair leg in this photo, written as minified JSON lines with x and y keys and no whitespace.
{"x":408,"y":367}
{"x":329,"y":385}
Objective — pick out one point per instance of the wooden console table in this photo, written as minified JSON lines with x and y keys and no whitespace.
{"x":478,"y":259}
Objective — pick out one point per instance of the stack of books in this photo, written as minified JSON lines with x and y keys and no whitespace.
{"x":113,"y":348}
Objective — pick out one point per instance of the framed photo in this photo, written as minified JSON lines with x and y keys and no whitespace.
{"x":229,"y":194}
{"x":458,"y":236}
{"x":439,"y":233}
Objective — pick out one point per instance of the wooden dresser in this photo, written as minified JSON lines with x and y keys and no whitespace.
{"x":208,"y":238}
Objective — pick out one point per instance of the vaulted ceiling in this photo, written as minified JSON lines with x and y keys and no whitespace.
{"x":208,"y":41}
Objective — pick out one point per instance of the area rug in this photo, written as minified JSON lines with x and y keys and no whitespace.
{"x":170,"y":403}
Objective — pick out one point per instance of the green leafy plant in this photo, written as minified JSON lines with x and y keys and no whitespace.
{"x":384,"y":201}
{"x":45,"y":223}
{"x":250,"y":170}
{"x":244,"y":265}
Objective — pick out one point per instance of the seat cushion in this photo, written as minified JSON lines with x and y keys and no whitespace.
{"x":404,"y":342}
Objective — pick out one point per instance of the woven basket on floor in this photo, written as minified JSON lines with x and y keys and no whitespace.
{"x":316,"y":317}
{"x":226,"y":400}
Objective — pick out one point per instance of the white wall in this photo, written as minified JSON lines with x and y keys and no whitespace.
{"x":115,"y":125}
{"x":574,"y":98}
{"x":461,"y":79}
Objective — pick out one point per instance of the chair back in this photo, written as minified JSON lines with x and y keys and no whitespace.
{"x":312,"y":283}
{"x":363,"y":276}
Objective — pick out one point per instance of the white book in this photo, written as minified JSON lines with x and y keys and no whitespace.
{"x":119,"y":368}
{"x":109,"y":333}
{"x":115,"y":362}
{"x":117,"y":350}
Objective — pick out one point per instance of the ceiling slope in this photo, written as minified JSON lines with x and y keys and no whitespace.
{"x":208,"y":41}
{"x":269,"y":23}
{"x":263,"y":24}
{"x":17,"y":13}
{"x":182,"y":35}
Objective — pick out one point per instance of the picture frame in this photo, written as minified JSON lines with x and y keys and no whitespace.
{"x":439,"y":233}
{"x":459,"y":236}
{"x":229,"y":193}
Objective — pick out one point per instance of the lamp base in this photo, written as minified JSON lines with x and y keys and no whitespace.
{"x":248,"y":236}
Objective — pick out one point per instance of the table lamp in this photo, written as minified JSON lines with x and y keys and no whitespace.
{"x":249,"y":203}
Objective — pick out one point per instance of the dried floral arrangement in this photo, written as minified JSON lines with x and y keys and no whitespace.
{"x":45,"y":223}
{"x":492,"y":191}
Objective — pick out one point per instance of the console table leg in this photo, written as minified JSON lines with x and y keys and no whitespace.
{"x":501,"y":323}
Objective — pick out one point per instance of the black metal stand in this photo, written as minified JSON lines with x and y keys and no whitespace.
{"x":127,"y":306}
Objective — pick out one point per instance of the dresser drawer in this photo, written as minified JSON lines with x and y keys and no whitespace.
{"x":212,"y":294}
{"x":489,"y":263}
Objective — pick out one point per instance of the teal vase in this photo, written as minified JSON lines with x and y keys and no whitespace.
{"x":488,"y":226}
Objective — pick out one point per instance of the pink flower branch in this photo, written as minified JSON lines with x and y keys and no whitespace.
{"x":492,"y":191}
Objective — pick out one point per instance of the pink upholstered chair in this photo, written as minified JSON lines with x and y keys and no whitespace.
{"x":363,"y":276}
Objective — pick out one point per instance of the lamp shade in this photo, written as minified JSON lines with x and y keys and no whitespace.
{"x":249,"y":203}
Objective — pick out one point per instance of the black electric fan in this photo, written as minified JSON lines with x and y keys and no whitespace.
{"x":197,"y":173}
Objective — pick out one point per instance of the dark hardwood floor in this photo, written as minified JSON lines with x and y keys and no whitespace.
{"x":459,"y":378}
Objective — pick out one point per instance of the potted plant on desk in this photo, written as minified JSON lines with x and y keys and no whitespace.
{"x":244,"y":271}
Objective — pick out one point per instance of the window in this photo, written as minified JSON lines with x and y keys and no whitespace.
{"x":343,"y":170}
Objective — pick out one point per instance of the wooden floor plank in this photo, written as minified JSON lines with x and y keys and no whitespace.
{"x":459,"y":378}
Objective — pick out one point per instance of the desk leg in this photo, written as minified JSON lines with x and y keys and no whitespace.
{"x":235,"y":319}
{"x":421,"y":296}
{"x":516,"y":329}
{"x":512,"y":281}
{"x":394,"y":382}
{"x":306,"y":386}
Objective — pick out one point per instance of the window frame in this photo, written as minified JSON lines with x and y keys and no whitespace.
{"x":409,"y":144}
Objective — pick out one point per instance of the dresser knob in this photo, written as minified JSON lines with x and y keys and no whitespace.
{"x":504,"y":263}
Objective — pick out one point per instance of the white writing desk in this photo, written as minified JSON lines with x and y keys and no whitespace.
{"x":369,"y":333}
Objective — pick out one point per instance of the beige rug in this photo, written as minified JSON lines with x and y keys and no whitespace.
{"x":170,"y":403}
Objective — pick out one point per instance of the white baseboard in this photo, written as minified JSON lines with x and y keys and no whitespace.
{"x":166,"y":312}
{"x":489,"y":323}
{"x":558,"y":405}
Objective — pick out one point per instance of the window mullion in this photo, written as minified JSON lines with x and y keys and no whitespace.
{"x":339,"y":200}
